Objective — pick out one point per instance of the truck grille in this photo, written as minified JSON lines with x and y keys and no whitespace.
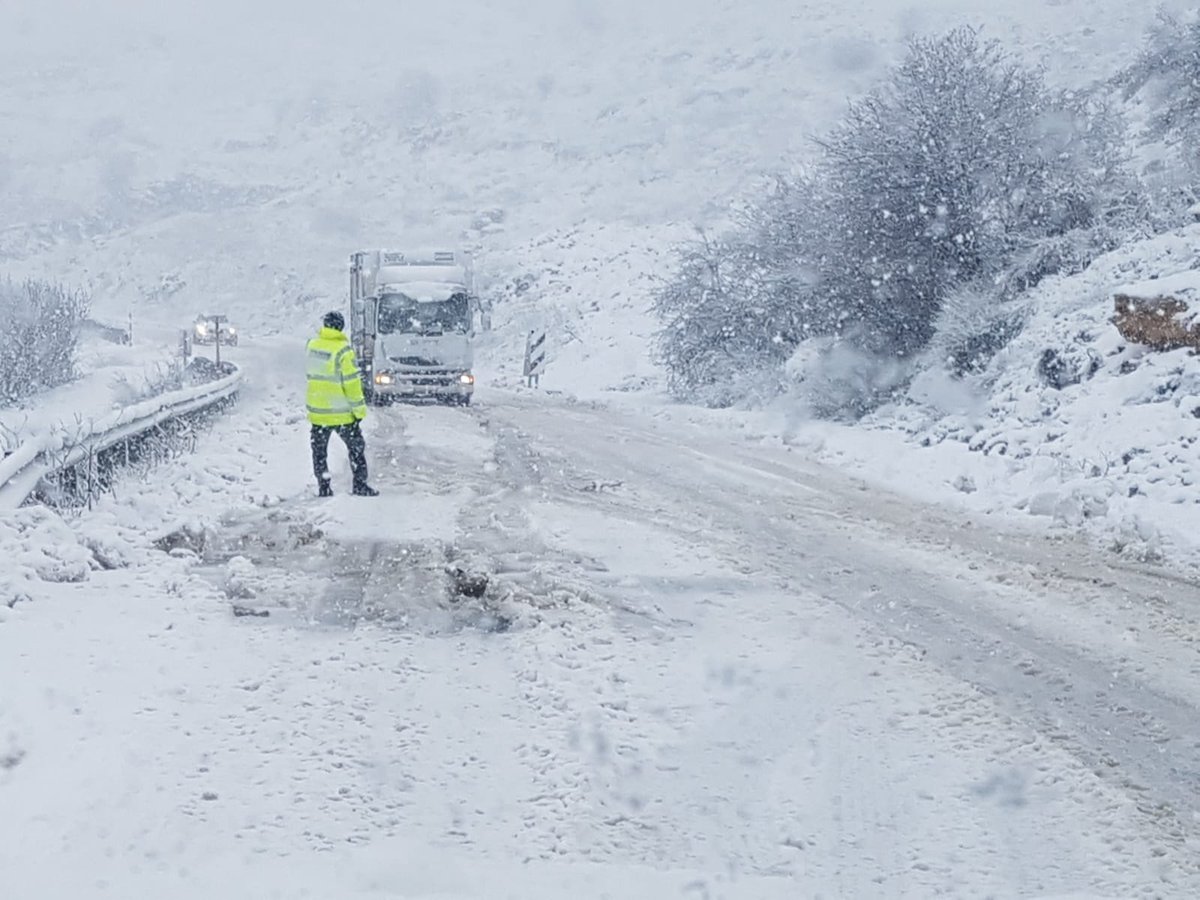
{"x":427,"y":377}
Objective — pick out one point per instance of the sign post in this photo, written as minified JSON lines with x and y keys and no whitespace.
{"x":535,"y":357}
{"x":217,"y":320}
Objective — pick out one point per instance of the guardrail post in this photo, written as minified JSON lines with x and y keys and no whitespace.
{"x":92,"y":477}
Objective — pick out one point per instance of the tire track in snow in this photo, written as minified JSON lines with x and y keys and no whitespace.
{"x":825,"y":537}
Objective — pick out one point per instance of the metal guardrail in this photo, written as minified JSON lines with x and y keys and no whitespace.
{"x":23,"y":469}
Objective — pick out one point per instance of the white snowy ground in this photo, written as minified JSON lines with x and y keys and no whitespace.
{"x":702,"y":667}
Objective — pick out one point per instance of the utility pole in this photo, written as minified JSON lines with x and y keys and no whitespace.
{"x":217,"y":320}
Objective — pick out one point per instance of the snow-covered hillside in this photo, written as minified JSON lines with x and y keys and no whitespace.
{"x":1108,"y":443}
{"x":1121,"y":444}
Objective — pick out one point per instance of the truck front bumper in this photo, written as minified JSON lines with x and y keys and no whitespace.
{"x":410,"y":384}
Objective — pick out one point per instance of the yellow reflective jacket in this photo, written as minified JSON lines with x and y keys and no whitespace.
{"x":335,"y":393}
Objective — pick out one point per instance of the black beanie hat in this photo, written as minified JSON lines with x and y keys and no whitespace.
{"x":334,"y":320}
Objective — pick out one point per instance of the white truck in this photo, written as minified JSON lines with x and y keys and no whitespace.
{"x":412,"y":324}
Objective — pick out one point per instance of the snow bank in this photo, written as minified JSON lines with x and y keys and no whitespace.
{"x":38,"y":547}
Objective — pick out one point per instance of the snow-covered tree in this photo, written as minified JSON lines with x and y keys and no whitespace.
{"x":962,"y":176}
{"x":38,"y":342}
{"x":947,"y":173}
{"x":711,"y":326}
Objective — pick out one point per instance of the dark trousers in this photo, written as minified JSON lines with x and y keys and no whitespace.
{"x":352,"y":437}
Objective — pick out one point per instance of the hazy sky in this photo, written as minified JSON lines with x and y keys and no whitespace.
{"x":387,"y":111}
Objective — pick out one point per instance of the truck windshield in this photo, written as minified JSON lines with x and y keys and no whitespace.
{"x":401,"y":314}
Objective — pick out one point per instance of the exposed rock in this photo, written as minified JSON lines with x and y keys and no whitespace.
{"x":1160,"y":321}
{"x":1062,"y":368}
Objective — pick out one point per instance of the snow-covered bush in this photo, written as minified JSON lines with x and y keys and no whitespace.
{"x":738,"y":305}
{"x":152,"y":381}
{"x":39,"y":337}
{"x":721,"y":320}
{"x":972,"y":326}
{"x":832,"y":379}
{"x":960,"y":165}
{"x":38,"y":546}
{"x":1061,"y":368}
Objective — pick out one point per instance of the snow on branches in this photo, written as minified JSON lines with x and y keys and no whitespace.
{"x":39,"y":335}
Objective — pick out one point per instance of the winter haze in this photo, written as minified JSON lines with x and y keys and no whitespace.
{"x":746,"y":647}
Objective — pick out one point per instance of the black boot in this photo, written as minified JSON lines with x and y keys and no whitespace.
{"x":324,"y":489}
{"x":365,"y":490}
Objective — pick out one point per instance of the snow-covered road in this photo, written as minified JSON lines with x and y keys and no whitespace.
{"x":702,"y":668}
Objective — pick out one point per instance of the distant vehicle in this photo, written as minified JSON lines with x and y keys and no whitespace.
{"x":412,"y":324}
{"x":204,"y":331}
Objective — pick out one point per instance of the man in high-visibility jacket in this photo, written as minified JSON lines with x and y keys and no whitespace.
{"x":336,"y":403}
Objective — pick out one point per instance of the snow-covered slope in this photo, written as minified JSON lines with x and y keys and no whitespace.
{"x":1070,"y":421}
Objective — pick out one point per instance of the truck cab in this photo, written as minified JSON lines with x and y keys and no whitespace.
{"x":412,"y":324}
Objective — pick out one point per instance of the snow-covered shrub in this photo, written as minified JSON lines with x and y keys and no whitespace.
{"x":721,"y":320}
{"x":710,"y":328}
{"x":833,"y":379}
{"x":953,"y":187}
{"x":971,"y":327}
{"x":738,"y":305}
{"x":948,"y":173}
{"x":39,"y":338}
{"x":151,"y":382}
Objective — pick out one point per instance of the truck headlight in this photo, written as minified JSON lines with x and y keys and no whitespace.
{"x":201,"y":329}
{"x":466,"y":378}
{"x":383,"y":377}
